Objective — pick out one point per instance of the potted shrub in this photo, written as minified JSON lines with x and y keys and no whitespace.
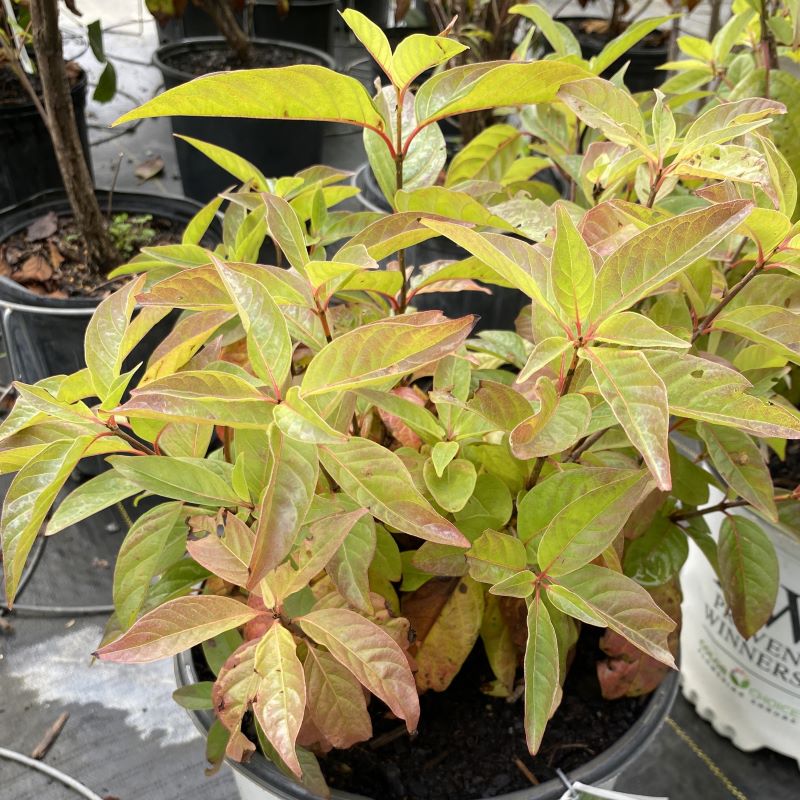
{"x":276,"y":148}
{"x":339,"y":471}
{"x":57,"y":249}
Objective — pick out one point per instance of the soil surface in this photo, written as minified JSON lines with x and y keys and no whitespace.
{"x":13,"y":93}
{"x":470,"y":745}
{"x":217,"y":59}
{"x":786,"y":474}
{"x":49,"y":256}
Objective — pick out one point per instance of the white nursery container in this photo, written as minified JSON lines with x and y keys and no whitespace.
{"x":749,"y":690}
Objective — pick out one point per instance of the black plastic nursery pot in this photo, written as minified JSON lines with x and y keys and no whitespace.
{"x":308,"y":22}
{"x":43,"y":335}
{"x":496,"y":311}
{"x":28,"y":164}
{"x":644,"y":57}
{"x":276,"y":147}
{"x":259,"y":779}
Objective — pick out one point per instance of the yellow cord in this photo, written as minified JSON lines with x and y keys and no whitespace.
{"x":706,"y":759}
{"x":123,"y":512}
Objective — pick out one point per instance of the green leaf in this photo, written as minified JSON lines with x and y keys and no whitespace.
{"x":237,"y":166}
{"x":96,"y":494}
{"x":287,"y":231}
{"x":176,"y":626}
{"x":417,"y":417}
{"x":600,"y":596}
{"x":543,"y":353}
{"x":502,"y":405}
{"x":620,"y":45}
{"x":209,"y":396}
{"x":350,"y":564}
{"x":140,"y":558}
{"x":659,"y":253}
{"x":225,"y":550}
{"x":635,"y":330}
{"x":521,"y":585}
{"x":496,"y":556}
{"x":300,"y":91}
{"x":336,"y":702}
{"x":419,"y":52}
{"x":282,"y":507}
{"x":739,"y":461}
{"x":105,"y":343}
{"x":281,"y":698}
{"x":499,"y":644}
{"x":560,"y":37}
{"x":584,"y":527}
{"x":193,"y":480}
{"x":710,"y":392}
{"x":370,"y":654}
{"x":298,"y":420}
{"x":638,"y":399}
{"x":749,"y":573}
{"x":490,"y":506}
{"x":454,"y":486}
{"x":541,"y":673}
{"x":384,"y":350}
{"x":201,"y":222}
{"x":571,"y":271}
{"x":195,"y":696}
{"x":491,"y":84}
{"x":442,"y":454}
{"x":552,"y":430}
{"x":268,"y":344}
{"x":773,"y":326}
{"x":27,"y":501}
{"x":376,"y":478}
{"x":486,"y":157}
{"x":657,"y":556}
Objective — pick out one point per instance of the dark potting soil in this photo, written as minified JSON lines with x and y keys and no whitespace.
{"x":202,"y":62}
{"x":49,"y":256}
{"x":470,"y":745}
{"x":13,"y":93}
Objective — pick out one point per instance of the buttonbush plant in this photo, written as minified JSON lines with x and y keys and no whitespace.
{"x":351,"y":493}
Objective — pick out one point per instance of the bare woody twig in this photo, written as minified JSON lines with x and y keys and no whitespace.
{"x":50,"y":736}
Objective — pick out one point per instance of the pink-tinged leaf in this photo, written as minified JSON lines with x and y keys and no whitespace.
{"x":281,"y":699}
{"x":660,"y":252}
{"x":199,"y":288}
{"x":553,"y":429}
{"x":451,"y":638}
{"x":377,"y":479}
{"x":748,"y":570}
{"x":775,"y":327}
{"x":711,"y":392}
{"x":600,"y":596}
{"x":638,"y":398}
{"x":210,"y":396}
{"x":176,"y":626}
{"x":29,"y":498}
{"x":225,"y":550}
{"x":384,"y":350}
{"x":739,"y":461}
{"x":541,"y":673}
{"x":336,"y":701}
{"x":500,"y":404}
{"x":571,"y":271}
{"x":234,"y":691}
{"x":495,"y":556}
{"x":370,"y":654}
{"x":283,"y":503}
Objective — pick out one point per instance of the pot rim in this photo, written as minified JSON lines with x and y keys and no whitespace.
{"x":14,"y":218}
{"x":609,"y":763}
{"x":195,"y":42}
{"x":27,"y":108}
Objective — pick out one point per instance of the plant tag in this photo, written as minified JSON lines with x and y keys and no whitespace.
{"x":581,"y":791}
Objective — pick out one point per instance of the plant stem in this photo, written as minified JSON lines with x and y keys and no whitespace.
{"x":399,"y":157}
{"x":705,"y":323}
{"x":724,"y":506}
{"x":581,"y":448}
{"x":224,"y":19}
{"x":71,"y":160}
{"x":133,"y":442}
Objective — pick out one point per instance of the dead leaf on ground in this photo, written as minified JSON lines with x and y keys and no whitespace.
{"x":42,"y":227}
{"x":34,"y":268}
{"x":56,"y":256}
{"x":149,"y":168}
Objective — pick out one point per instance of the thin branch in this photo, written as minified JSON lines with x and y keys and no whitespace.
{"x":705,"y":324}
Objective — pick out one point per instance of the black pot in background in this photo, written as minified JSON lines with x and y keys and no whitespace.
{"x":379,"y":11}
{"x":276,"y":147}
{"x":27,"y":161}
{"x":309,"y":22}
{"x":497,"y":311}
{"x":43,"y":335}
{"x":260,"y":775}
